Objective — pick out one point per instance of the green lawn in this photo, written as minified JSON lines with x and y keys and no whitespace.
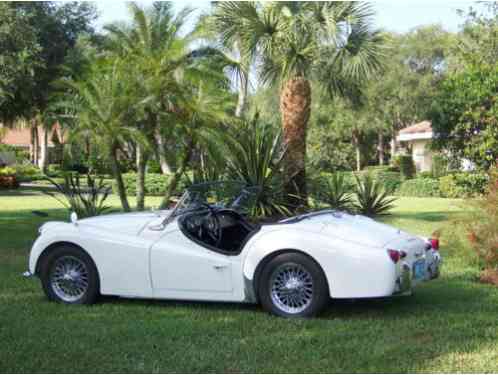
{"x":449,"y":325}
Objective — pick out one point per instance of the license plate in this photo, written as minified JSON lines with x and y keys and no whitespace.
{"x":419,"y":269}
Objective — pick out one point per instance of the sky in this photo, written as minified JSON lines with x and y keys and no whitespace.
{"x":395,"y":15}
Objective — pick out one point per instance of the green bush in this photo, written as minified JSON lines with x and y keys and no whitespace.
{"x":24,"y":172}
{"x":381,"y":168}
{"x":406,"y":166}
{"x":463,"y":184}
{"x":155,"y":184}
{"x":419,"y":187}
{"x":7,"y":171}
{"x":439,"y":166}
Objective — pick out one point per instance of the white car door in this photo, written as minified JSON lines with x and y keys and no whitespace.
{"x":182,"y":269}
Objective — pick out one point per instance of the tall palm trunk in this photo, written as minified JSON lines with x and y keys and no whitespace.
{"x":356,"y":144}
{"x":380,"y":147}
{"x":295,"y":102}
{"x":43,"y":160}
{"x":34,"y":142}
{"x":119,"y":178}
{"x":141,"y":166}
{"x":161,"y":154}
{"x":177,"y":175}
{"x":393,"y":144}
{"x":242,"y":95}
{"x":244,"y":81}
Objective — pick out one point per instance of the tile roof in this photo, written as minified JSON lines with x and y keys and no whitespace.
{"x":22,"y":136}
{"x":421,"y":127}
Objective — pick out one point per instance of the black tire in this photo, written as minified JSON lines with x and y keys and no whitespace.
{"x":320,"y":291}
{"x":47,"y":267}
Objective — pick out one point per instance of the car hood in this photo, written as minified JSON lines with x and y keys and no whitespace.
{"x":130,"y":223}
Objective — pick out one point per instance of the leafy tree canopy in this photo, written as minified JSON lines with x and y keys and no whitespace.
{"x":35,"y":39}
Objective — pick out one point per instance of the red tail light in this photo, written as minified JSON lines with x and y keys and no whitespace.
{"x":434,"y":243}
{"x":395,"y":255}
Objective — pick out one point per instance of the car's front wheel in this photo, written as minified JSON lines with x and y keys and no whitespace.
{"x":293,"y":285}
{"x":69,"y":275}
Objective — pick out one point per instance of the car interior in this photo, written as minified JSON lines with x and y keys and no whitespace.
{"x":222,"y":230}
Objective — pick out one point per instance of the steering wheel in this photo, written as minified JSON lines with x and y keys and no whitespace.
{"x":211,"y":227}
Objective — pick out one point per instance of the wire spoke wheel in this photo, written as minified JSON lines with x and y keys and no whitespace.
{"x":291,"y":288}
{"x":69,"y":278}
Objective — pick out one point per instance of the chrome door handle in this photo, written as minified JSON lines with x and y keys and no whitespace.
{"x":219,"y":266}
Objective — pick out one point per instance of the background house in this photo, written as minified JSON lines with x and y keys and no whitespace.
{"x":414,"y":140}
{"x":29,"y":139}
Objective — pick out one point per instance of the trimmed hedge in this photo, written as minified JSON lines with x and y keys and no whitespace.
{"x":155,"y":184}
{"x":419,"y":187}
{"x":463,"y":185}
{"x":456,"y":185}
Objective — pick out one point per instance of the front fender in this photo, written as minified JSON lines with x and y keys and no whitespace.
{"x":50,"y":233}
{"x":351,"y":270}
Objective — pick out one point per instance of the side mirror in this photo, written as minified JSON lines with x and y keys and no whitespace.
{"x":74,"y":218}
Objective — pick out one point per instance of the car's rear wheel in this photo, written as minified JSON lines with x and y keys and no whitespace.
{"x":293,"y":285}
{"x":69,"y":275}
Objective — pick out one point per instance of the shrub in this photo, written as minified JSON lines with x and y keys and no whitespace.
{"x":406,"y":166}
{"x":419,"y":187}
{"x":372,"y":196}
{"x":439,"y":166}
{"x":22,"y":172}
{"x":483,"y":226}
{"x":87,"y":200}
{"x":335,"y":192}
{"x":463,"y":185}
{"x":155,"y":184}
{"x":7,"y":171}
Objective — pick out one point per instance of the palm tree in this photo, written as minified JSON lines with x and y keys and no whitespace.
{"x":235,"y":62}
{"x":205,"y":107}
{"x":105,"y":108}
{"x":155,"y":54}
{"x":331,"y":43}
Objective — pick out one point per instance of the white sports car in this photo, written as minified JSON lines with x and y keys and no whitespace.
{"x":201,"y":250}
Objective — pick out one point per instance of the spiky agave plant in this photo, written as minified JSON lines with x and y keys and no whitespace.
{"x":335,"y":193}
{"x":86,"y":200}
{"x":253,"y":155}
{"x":372,"y":198}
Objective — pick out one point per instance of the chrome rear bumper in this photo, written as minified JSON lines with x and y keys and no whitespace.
{"x":405,"y":282}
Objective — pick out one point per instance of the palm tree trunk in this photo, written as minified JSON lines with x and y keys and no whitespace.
{"x":42,"y":161}
{"x":141,"y":166}
{"x":356,"y":144}
{"x":176,"y":176}
{"x":242,"y":95}
{"x":295,"y":102}
{"x":119,"y":178}
{"x":393,"y":144}
{"x":380,"y":147}
{"x":161,"y":154}
{"x":35,"y":142}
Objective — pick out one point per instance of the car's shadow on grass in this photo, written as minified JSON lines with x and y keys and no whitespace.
{"x":442,"y":297}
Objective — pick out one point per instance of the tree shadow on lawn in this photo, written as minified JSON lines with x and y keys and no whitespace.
{"x":422,"y":216}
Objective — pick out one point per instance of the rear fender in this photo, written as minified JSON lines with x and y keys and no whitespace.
{"x":351,"y":270}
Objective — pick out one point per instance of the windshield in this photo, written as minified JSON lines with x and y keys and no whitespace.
{"x":220,"y":194}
